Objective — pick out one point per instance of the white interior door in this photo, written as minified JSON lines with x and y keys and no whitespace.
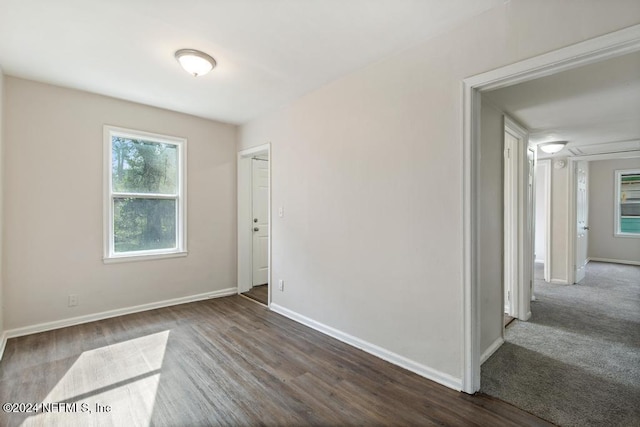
{"x":530,"y":231}
{"x":260,"y":218}
{"x":543,"y":215}
{"x":582,"y":218}
{"x":519,"y":162}
{"x":511,"y":157}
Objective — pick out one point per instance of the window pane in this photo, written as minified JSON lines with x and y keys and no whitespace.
{"x":144,"y":224}
{"x":630,"y":203}
{"x":140,"y":166}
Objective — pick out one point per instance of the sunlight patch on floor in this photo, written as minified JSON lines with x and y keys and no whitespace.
{"x":111,"y":385}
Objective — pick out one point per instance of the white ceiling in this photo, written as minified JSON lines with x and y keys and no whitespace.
{"x":268,"y":51}
{"x":595,"y":107}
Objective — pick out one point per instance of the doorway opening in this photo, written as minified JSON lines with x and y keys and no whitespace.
{"x":563,"y":313}
{"x":584,"y":53}
{"x":518,"y":222}
{"x":542,"y":221}
{"x":254,"y":224}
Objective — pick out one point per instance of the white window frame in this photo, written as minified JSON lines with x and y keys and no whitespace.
{"x":616,"y":207}
{"x":110,"y":255}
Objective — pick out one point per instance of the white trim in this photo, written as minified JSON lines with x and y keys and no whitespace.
{"x":244,"y":244}
{"x":511,"y":226}
{"x":145,"y":195}
{"x":391,"y":357}
{"x":515,"y":128}
{"x":517,"y":268}
{"x":616,"y":202}
{"x":3,"y":343}
{"x":609,"y":156}
{"x":146,"y":257}
{"x":627,"y":236}
{"x":258,"y":149}
{"x":109,"y":254}
{"x":526,"y":232}
{"x":615,"y":261}
{"x":245,"y":239}
{"x":57,"y":324}
{"x":578,"y":165}
{"x":492,"y":349}
{"x":583,"y":53}
{"x":587,"y":52}
{"x":470,"y":236}
{"x":572,"y":219}
{"x":559,"y":281}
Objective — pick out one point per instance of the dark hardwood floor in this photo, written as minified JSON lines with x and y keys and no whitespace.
{"x":226,"y":361}
{"x":259,"y":293}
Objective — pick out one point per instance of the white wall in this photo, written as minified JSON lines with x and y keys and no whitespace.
{"x":53,"y":206}
{"x":541,"y":212}
{"x":559,"y":221}
{"x":491,"y":226}
{"x":369,"y":170}
{"x":1,"y":203}
{"x":602,"y":242}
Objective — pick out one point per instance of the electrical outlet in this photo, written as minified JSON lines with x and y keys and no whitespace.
{"x":281,"y":211}
{"x":281,"y":285}
{"x":73,"y":300}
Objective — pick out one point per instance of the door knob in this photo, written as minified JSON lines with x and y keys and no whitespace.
{"x":256,"y":229}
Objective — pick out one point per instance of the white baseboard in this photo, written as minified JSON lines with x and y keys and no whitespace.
{"x":3,"y":343}
{"x":422,"y":370}
{"x":614,"y":261}
{"x":559,"y":281}
{"x":57,"y":324}
{"x":492,"y":349}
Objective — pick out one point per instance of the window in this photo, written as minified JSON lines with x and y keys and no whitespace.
{"x":627,"y":203}
{"x":145,"y":207}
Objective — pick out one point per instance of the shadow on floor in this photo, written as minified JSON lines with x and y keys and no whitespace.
{"x":577,"y":360}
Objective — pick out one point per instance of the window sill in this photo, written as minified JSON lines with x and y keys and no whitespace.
{"x":143,"y":257}
{"x":627,"y":235}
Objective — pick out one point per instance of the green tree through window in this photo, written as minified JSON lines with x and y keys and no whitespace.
{"x":145,"y":195}
{"x":628,"y":202}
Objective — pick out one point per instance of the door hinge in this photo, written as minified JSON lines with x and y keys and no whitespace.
{"x":507,"y":153}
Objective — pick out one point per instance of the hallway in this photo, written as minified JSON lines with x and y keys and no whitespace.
{"x":577,"y":361}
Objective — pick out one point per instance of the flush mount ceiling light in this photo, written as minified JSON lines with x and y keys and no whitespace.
{"x":552,"y":147}
{"x":195,"y":62}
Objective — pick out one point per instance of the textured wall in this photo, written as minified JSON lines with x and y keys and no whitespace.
{"x":54,"y":203}
{"x":602,"y":242}
{"x":369,"y":170}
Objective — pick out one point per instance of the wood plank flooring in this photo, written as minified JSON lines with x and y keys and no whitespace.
{"x":228,"y":362}
{"x":258,"y":293}
{"x":507,"y":319}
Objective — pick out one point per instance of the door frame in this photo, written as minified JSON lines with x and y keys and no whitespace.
{"x":572,"y":239}
{"x":515,"y":186}
{"x":587,"y":52}
{"x":245,"y":218}
{"x":546,"y":164}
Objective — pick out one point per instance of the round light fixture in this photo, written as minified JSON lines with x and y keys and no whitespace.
{"x":195,"y":62}
{"x":553,"y":146}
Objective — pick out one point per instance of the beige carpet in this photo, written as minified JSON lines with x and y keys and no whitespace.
{"x":577,"y":361}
